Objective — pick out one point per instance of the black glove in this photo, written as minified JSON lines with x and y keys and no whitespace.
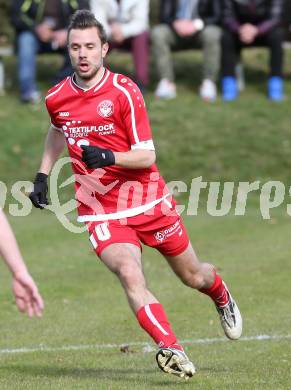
{"x":38,"y":196}
{"x":95,"y":157}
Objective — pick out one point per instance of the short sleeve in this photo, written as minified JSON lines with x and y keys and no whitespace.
{"x":54,"y":122}
{"x":134,"y":113}
{"x":50,"y":106}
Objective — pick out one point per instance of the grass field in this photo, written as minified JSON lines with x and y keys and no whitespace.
{"x":85,"y":307}
{"x":76,"y":345}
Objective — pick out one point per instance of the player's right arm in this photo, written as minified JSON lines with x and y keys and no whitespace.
{"x":54,"y":145}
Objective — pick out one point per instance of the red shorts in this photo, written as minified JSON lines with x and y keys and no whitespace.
{"x":165,"y":233}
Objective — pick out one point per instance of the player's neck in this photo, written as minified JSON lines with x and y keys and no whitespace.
{"x":87,"y":84}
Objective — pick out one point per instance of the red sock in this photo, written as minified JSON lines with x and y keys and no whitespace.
{"x":217,"y":292}
{"x":153,"y":320}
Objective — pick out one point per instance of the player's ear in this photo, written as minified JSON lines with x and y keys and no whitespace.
{"x":105,"y":48}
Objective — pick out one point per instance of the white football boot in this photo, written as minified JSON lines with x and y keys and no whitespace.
{"x":176,"y":362}
{"x":230,"y":318}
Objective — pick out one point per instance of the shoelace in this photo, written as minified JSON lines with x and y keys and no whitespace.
{"x":228,"y":314}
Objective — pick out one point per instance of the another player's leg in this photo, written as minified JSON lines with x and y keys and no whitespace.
{"x":203,"y":277}
{"x":125,"y":261}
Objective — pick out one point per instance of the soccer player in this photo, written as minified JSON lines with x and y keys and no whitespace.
{"x":122,"y":198}
{"x":25,"y":290}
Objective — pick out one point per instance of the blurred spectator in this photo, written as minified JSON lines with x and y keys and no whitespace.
{"x":252,"y":23}
{"x":287,"y":18}
{"x":187,"y":24}
{"x":41,"y":27}
{"x":126,"y":23}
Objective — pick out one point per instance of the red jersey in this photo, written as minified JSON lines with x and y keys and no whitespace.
{"x":111,"y":115}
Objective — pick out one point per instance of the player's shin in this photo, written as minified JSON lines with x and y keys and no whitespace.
{"x":170,"y":357}
{"x":217,"y":291}
{"x":152,"y":318}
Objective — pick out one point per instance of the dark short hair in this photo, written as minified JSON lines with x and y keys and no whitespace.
{"x":83,"y":19}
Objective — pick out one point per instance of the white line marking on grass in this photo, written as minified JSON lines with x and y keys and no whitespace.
{"x":147,"y":347}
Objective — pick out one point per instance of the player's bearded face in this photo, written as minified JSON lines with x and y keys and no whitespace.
{"x":86,"y":52}
{"x":87,"y":70}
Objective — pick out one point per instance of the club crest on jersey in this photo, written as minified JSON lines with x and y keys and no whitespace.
{"x":105,"y":108}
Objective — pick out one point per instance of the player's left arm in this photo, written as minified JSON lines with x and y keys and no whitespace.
{"x":95,"y":157}
{"x":135,"y":159}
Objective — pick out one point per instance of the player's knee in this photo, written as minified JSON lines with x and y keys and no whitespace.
{"x":130,"y":277}
{"x":193,"y":280}
{"x":197,"y":277}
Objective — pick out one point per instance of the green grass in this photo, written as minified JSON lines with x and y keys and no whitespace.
{"x":85,"y":306}
{"x":247,"y":140}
